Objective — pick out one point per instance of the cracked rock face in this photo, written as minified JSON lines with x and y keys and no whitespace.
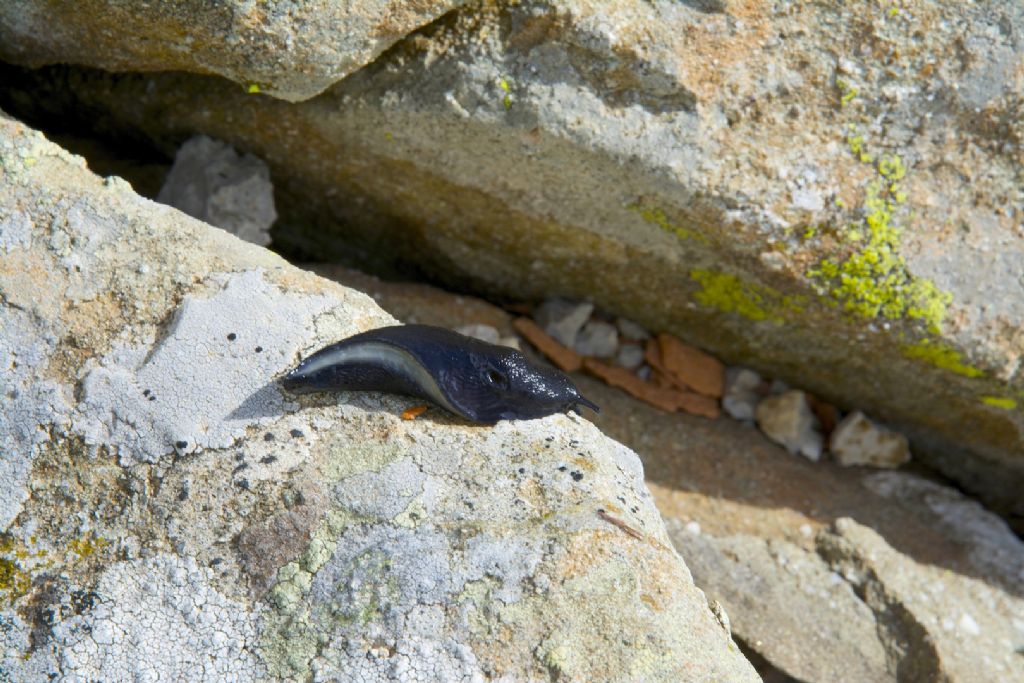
{"x":774,"y":182}
{"x":168,"y":514}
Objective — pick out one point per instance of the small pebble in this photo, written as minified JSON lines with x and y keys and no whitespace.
{"x":631,"y":330}
{"x":859,"y":441}
{"x":630,"y":356}
{"x":484,"y":333}
{"x":597,"y":339}
{"x":787,"y":420}
{"x":741,"y":395}
{"x":693,"y":528}
{"x":563,"y":319}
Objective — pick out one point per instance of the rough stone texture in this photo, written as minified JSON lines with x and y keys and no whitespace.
{"x":859,"y":441}
{"x":598,"y":339}
{"x":787,"y":420}
{"x":774,"y":182}
{"x":212,"y":182}
{"x":934,"y":592}
{"x":286,"y":49}
{"x":153,"y":459}
{"x":563,"y":319}
{"x":741,"y":393}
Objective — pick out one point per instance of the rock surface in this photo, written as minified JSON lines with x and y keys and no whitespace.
{"x":787,"y":420}
{"x":859,"y":441}
{"x":285,"y":49}
{"x":771,"y":182}
{"x":168,"y":513}
{"x":825,"y":573}
{"x":212,"y":182}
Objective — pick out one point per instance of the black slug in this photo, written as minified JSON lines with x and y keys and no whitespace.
{"x":479,"y":381}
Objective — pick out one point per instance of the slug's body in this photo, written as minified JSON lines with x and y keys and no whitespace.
{"x":479,"y":381}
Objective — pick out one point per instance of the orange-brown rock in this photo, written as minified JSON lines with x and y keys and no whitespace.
{"x":666,"y":399}
{"x":699,"y":371}
{"x":563,"y":357}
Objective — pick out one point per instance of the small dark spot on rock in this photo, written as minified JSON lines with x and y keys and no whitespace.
{"x":563,"y":468}
{"x":152,"y":397}
{"x":296,"y":433}
{"x":239,"y":457}
{"x":576,"y":475}
{"x":181,"y":444}
{"x":574,"y":443}
{"x":469,"y":504}
{"x":549,"y":439}
{"x":145,"y":392}
{"x":232,"y":337}
{"x":183,"y":493}
{"x":259,"y":349}
{"x":266,"y":460}
{"x":269,"y":436}
{"x":82,"y":601}
{"x":522,"y":470}
{"x":215,"y":561}
{"x":239,"y":468}
{"x":242,"y":484}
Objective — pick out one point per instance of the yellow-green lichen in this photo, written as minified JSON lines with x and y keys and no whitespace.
{"x":507,"y":89}
{"x":730,"y":294}
{"x":252,"y":88}
{"x":941,"y":355}
{"x":846,"y":92}
{"x":999,"y":402}
{"x":873,"y":281}
{"x":87,"y":546}
{"x":16,"y":565}
{"x":657,"y":217}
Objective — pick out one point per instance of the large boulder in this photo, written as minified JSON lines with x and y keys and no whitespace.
{"x":168,"y":514}
{"x":286,"y":49}
{"x":826,"y":192}
{"x":824,"y":572}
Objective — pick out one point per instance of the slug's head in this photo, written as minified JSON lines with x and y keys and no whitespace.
{"x":504,"y":385}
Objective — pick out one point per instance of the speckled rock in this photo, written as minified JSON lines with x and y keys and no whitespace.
{"x":770,"y":182}
{"x":756,"y":527}
{"x":169,"y":514}
{"x":859,"y":441}
{"x":289,"y":50}
{"x":787,"y":420}
{"x":212,"y":182}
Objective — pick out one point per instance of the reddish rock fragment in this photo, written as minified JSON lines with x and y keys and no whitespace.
{"x":669,"y":400}
{"x":699,"y":371}
{"x":827,"y":414}
{"x":704,"y":406}
{"x":563,"y":357}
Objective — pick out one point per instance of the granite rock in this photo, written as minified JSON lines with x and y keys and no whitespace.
{"x":152,"y":453}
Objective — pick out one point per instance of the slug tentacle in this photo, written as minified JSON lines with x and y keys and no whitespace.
{"x":479,"y":381}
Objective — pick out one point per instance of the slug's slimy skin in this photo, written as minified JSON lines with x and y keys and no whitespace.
{"x":479,"y":381}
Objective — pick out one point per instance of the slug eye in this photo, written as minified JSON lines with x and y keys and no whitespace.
{"x":497,"y":378}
